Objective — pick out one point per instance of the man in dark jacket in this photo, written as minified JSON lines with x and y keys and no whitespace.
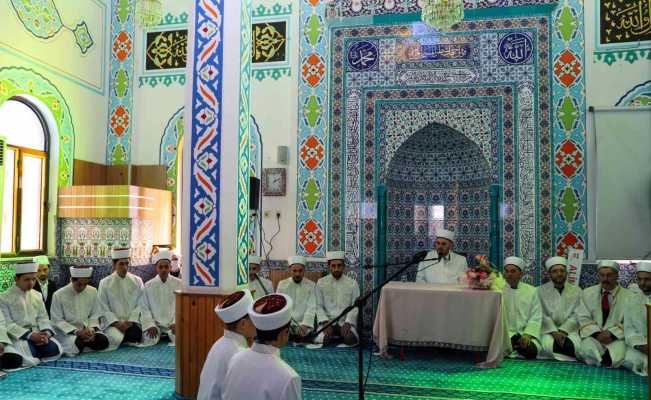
{"x":44,"y":284}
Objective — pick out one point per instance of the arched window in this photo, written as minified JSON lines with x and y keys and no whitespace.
{"x":24,"y":194}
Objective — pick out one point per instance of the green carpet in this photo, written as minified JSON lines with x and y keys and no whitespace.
{"x":330,"y":374}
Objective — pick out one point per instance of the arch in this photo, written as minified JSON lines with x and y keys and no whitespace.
{"x":169,"y":145}
{"x":639,"y":95}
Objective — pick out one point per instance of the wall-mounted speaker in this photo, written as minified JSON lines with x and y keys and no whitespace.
{"x":283,"y":155}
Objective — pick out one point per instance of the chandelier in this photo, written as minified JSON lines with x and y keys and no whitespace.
{"x":442,"y":14}
{"x":149,"y":13}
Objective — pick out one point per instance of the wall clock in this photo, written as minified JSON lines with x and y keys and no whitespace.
{"x":274,"y":181}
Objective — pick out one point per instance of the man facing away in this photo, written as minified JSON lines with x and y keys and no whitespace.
{"x":76,"y":313}
{"x":559,"y":300}
{"x":238,"y":331}
{"x":302,"y":292}
{"x":259,"y":373}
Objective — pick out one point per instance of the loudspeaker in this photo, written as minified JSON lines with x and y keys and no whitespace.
{"x":254,"y":193}
{"x":282,"y":155}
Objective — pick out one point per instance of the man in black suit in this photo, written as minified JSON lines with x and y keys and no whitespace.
{"x":44,"y":284}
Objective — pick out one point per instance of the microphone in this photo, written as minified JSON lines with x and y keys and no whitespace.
{"x":418,"y":257}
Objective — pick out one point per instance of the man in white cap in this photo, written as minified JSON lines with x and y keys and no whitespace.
{"x":119,"y":296}
{"x":334,"y":293}
{"x":559,"y":300}
{"x":158,"y":302}
{"x":44,"y":285}
{"x":28,"y":325}
{"x":259,"y":373}
{"x":601,"y":319}
{"x":9,"y":357}
{"x":445,"y":266}
{"x":238,"y":332}
{"x":302,"y":292}
{"x":175,"y":262}
{"x":76,"y":313}
{"x":258,"y":285}
{"x":523,"y":312}
{"x":635,"y":324}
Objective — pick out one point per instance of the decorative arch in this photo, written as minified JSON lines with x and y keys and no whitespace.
{"x":169,"y":144}
{"x":638,"y":96}
{"x":18,"y":81}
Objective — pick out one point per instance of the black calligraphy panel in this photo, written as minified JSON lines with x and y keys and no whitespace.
{"x":625,"y":21}
{"x":166,"y":50}
{"x":269,"y":41}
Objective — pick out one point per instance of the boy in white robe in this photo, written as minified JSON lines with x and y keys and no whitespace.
{"x":450,"y":266}
{"x":238,"y":331}
{"x":258,"y":285}
{"x":75,"y":314}
{"x":28,"y":325}
{"x":158,"y":301}
{"x":601,"y":319}
{"x":9,"y":358}
{"x":523,"y":312}
{"x":559,"y":300}
{"x":302,"y":291}
{"x":334,"y":293}
{"x":119,"y":296}
{"x":259,"y":373}
{"x":635,"y":323}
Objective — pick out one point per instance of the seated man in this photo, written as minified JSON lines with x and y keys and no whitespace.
{"x":635,"y":324}
{"x":75,"y":314}
{"x":559,"y":300}
{"x":9,"y":358}
{"x":258,"y":285}
{"x":158,"y":302}
{"x":44,"y":285}
{"x":334,"y":293}
{"x":302,"y":292}
{"x":601,"y":318}
{"x":523,"y":313}
{"x":28,"y":325}
{"x":259,"y":373}
{"x":119,"y":295}
{"x":449,"y":267}
{"x":175,"y":262}
{"x":238,"y":331}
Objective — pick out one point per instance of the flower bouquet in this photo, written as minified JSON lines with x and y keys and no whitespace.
{"x":480,"y":277}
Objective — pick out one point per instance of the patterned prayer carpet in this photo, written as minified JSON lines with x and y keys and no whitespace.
{"x":330,"y":374}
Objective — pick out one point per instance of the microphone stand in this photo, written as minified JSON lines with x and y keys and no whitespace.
{"x":359,"y":304}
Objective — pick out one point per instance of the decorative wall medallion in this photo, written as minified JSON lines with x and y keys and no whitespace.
{"x":166,"y":50}
{"x":516,"y":48}
{"x":312,"y":152}
{"x":313,"y":69}
{"x":362,"y":56}
{"x":122,"y":46}
{"x":120,"y":121}
{"x":269,"y":42}
{"x":569,"y":158}
{"x":570,"y":239}
{"x":310,"y":236}
{"x":567,"y":68}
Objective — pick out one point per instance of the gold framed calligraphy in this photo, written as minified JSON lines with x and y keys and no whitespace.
{"x":166,"y":50}
{"x":270,"y":32}
{"x":269,"y":42}
{"x":624,"y":30}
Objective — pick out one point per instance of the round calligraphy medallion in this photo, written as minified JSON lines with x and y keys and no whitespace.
{"x":516,"y":48}
{"x":362,"y":56}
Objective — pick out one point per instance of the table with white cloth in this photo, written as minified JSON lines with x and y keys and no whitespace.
{"x":442,"y":315}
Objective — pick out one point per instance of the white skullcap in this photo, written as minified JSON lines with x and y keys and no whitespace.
{"x":296,"y":260}
{"x":26,"y":268}
{"x":335,"y":255}
{"x":254,"y":259}
{"x":643,"y":266}
{"x":517,"y":261}
{"x":41,"y":260}
{"x":237,"y":310}
{"x":162,"y":255}
{"x":608,"y":264}
{"x":551,"y":261}
{"x":118,"y":254}
{"x":81,"y":272}
{"x":271,"y":312}
{"x":445,"y":234}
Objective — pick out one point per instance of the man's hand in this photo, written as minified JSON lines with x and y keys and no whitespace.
{"x":38,"y":338}
{"x":303,"y":330}
{"x":152,"y":332}
{"x":346,"y":329}
{"x":121,"y":325}
{"x":644,"y":348}
{"x":525,"y":340}
{"x":559,"y":337}
{"x":328,"y":331}
{"x":173,"y":329}
{"x":605,"y":338}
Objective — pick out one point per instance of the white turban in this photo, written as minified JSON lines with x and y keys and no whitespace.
{"x":254,"y":259}
{"x":118,"y":254}
{"x":271,"y":312}
{"x":335,"y":255}
{"x":162,"y":255}
{"x":551,"y":261}
{"x":26,"y":268}
{"x":517,"y":261}
{"x":296,"y":260}
{"x":445,"y":234}
{"x":644,"y":266}
{"x":81,"y":272}
{"x":237,"y":310}
{"x":608,"y":264}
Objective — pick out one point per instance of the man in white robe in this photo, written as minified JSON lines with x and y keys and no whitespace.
{"x":9,"y":357}
{"x":259,"y":373}
{"x":559,"y":300}
{"x":158,"y":301}
{"x":601,"y":319}
{"x":302,"y":291}
{"x":445,"y":266}
{"x":334,"y":293}
{"x":119,"y":296}
{"x":258,"y":285}
{"x":523,"y":311}
{"x":635,"y":323}
{"x":75,"y":314}
{"x":28,"y":325}
{"x":238,"y":331}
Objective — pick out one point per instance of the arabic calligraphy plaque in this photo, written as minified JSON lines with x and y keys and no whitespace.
{"x":166,"y":50}
{"x":624,"y":21}
{"x":269,"y":41}
{"x":362,"y":56}
{"x":516,"y":48}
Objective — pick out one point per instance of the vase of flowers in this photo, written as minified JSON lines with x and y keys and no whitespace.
{"x":480,"y":277}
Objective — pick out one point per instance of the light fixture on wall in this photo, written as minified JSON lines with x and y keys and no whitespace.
{"x":442,"y":14}
{"x":148,"y":13}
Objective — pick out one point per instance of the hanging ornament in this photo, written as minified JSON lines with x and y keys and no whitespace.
{"x":442,"y":14}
